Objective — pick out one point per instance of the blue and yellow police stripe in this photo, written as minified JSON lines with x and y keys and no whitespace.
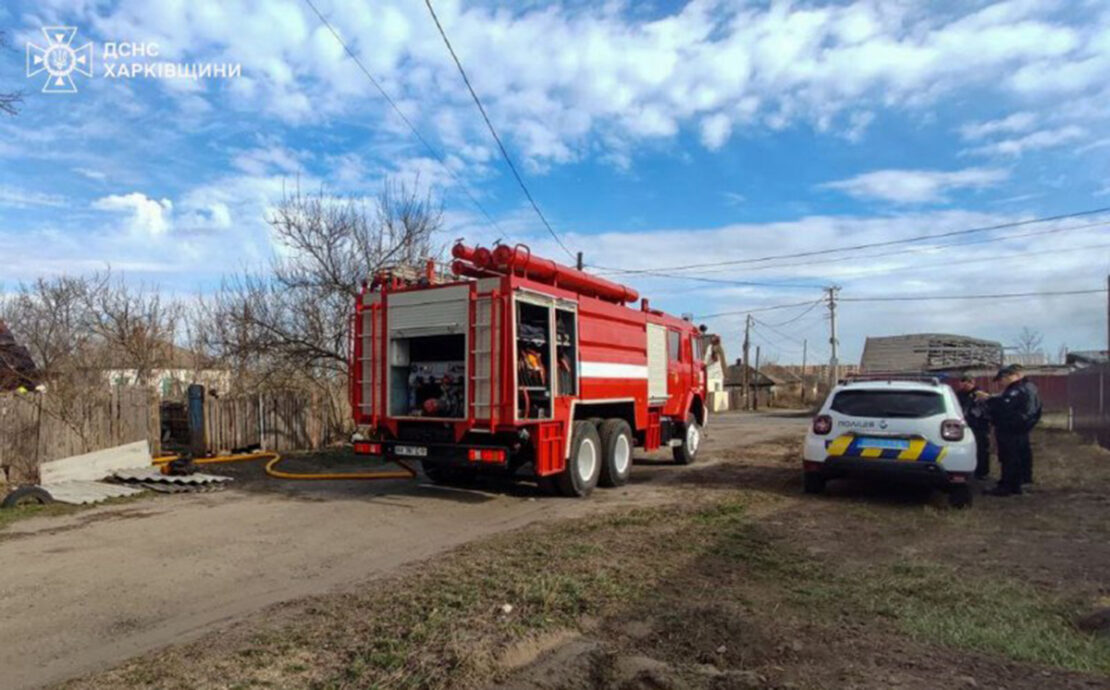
{"x":851,"y":446}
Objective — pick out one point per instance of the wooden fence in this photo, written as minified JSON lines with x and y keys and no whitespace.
{"x":37,"y":428}
{"x":280,"y":421}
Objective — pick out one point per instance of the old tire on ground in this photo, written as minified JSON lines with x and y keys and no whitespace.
{"x":813,"y":482}
{"x":616,"y":452}
{"x":584,"y":464}
{"x":27,"y":496}
{"x":960,"y":496}
{"x":687,"y":452}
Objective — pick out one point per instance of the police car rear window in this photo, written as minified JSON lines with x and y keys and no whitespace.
{"x":907,"y":404}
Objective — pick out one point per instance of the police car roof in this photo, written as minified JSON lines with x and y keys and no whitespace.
{"x":892,"y":383}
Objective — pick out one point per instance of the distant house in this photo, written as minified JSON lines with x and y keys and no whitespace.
{"x":1025,"y":359}
{"x":928,"y":352}
{"x":715,"y":363}
{"x":177,"y":368}
{"x":764,"y":385}
{"x":1086,"y":358}
{"x":17,"y":367}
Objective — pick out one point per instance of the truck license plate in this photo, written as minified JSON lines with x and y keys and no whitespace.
{"x":885,"y":443}
{"x":411,"y":451}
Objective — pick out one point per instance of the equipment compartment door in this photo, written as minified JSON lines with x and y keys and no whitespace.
{"x":657,"y":361}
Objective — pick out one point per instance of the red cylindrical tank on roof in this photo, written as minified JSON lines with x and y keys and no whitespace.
{"x":520,"y":258}
{"x":462,"y":268}
{"x":461,"y":251}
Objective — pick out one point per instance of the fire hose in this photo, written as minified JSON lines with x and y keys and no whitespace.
{"x":407,"y":472}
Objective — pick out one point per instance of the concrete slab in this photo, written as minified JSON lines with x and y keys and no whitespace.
{"x":96,"y":465}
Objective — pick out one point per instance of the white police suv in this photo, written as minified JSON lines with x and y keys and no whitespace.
{"x":899,"y":428}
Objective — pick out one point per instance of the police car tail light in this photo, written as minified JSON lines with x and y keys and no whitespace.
{"x":822,"y":424}
{"x":952,"y":430}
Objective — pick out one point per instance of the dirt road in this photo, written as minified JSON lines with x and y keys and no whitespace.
{"x":86,"y":591}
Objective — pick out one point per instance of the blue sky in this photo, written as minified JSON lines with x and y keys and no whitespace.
{"x":652,"y":135}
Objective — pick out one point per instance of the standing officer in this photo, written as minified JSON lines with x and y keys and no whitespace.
{"x":1013,"y":414}
{"x":1032,"y":416}
{"x":971,"y":399}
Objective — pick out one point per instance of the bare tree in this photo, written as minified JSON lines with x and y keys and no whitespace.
{"x":9,"y":100}
{"x":1029,"y":341}
{"x":135,"y":327}
{"x":295,"y":322}
{"x":48,"y":318}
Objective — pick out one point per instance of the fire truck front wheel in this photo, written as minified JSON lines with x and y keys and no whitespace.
{"x":686,"y":452}
{"x":584,"y":464}
{"x":616,"y":452}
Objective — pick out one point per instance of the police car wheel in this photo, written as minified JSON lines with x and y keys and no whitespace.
{"x":813,"y":483}
{"x":960,"y":496}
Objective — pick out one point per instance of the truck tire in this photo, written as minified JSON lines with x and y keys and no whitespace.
{"x":616,"y":452}
{"x":27,"y":496}
{"x":687,"y":451}
{"x":584,"y":464}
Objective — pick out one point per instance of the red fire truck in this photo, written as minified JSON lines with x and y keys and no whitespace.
{"x":522,"y":361}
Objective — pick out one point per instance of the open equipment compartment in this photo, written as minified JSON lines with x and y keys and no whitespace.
{"x":428,"y":376}
{"x":533,"y":366}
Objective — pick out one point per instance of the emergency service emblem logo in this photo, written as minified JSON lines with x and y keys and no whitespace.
{"x":59,"y":59}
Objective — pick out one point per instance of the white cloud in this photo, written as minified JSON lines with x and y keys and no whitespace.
{"x":916,"y":186}
{"x":715,"y":131}
{"x":560,"y":79}
{"x":18,"y":197}
{"x":147,"y":217}
{"x":1043,"y":139}
{"x":1011,"y":124}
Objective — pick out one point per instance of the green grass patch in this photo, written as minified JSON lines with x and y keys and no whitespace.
{"x":995,"y":615}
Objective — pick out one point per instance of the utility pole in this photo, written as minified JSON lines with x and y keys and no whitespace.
{"x":755,"y":398}
{"x":1108,"y":313}
{"x":745,"y":363}
{"x":805,"y":343}
{"x":580,"y":264}
{"x":834,"y":364}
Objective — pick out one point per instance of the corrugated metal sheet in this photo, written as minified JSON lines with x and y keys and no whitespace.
{"x":78,"y":492}
{"x":154,"y":475}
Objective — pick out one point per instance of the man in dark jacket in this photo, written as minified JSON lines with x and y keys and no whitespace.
{"x":1013,"y":412}
{"x":1032,"y":418}
{"x":972,"y":401}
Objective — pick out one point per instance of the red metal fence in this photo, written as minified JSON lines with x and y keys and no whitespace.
{"x":1089,"y":402}
{"x":1052,"y":389}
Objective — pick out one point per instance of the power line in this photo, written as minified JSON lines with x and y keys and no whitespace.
{"x":791,"y":338}
{"x":918,"y":250}
{"x":725,"y":281}
{"x":412,"y":128}
{"x":493,"y":132}
{"x":752,"y":311}
{"x":799,"y":316}
{"x":867,"y":245}
{"x":1007,"y":295}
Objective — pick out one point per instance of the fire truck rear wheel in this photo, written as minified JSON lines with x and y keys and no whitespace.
{"x":584,"y":464}
{"x":616,"y":452}
{"x":687,"y":451}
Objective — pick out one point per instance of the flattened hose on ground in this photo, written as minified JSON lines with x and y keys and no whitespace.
{"x":407,"y":472}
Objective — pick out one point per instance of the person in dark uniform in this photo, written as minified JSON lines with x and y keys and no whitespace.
{"x":972,"y":401}
{"x":1013,"y":413}
{"x":1033,"y":416}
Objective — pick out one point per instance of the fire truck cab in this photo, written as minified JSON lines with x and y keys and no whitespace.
{"x":522,"y":361}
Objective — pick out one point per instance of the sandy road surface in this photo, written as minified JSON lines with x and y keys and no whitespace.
{"x":86,"y":591}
